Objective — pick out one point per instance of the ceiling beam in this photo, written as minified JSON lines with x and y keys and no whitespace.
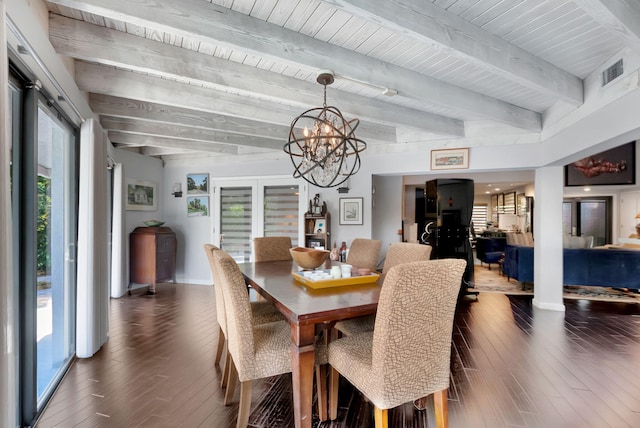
{"x":137,"y":126}
{"x":140,"y":140}
{"x":164,"y":151}
{"x":216,"y":25}
{"x":125,"y":84}
{"x":431,"y":24}
{"x":621,"y":17}
{"x":93,"y":43}
{"x":135,"y":109}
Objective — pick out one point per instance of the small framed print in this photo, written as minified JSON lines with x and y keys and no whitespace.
{"x":450,"y":159}
{"x":197,"y":206}
{"x":351,"y":211}
{"x":197,"y":184}
{"x":319,"y":226}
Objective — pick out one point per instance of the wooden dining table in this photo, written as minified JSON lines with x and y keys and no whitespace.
{"x":308,"y":311}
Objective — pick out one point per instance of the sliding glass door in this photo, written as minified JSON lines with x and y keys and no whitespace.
{"x":55,"y":250}
{"x":44,"y":206}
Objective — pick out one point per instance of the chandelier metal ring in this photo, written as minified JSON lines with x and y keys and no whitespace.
{"x":322,"y":144}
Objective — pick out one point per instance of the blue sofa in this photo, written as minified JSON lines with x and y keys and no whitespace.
{"x":607,"y":267}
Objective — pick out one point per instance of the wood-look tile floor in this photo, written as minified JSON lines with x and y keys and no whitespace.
{"x":512,"y":366}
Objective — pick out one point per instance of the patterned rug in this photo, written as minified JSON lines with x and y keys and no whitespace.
{"x":491,"y":281}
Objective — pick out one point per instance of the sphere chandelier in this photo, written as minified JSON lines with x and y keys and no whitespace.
{"x":322,"y":144}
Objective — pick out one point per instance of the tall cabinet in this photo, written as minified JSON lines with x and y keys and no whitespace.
{"x":317,"y":230}
{"x":152,"y":256}
{"x":448,"y":210}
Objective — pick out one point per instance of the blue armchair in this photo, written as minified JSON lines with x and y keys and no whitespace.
{"x":490,"y":250}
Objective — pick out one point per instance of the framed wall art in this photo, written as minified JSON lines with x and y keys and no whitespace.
{"x":351,"y":211}
{"x":197,"y":206}
{"x":450,"y":159}
{"x":612,"y":167}
{"x":141,"y":195}
{"x":197,"y":184}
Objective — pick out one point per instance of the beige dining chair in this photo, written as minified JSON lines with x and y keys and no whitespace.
{"x":364,"y":253}
{"x":261,"y":312}
{"x":398,"y":252}
{"x":407,"y":356}
{"x":257,"y":351}
{"x":271,"y":248}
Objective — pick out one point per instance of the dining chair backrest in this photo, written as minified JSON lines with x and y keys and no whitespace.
{"x":405,"y":252}
{"x":210,"y":249}
{"x":240,"y":338}
{"x":272,"y":248}
{"x":411,"y":346}
{"x":364,"y":253}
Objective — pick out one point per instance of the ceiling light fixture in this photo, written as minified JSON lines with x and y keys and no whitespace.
{"x":322,"y":144}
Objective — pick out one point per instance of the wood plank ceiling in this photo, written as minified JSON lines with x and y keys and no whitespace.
{"x":193,"y":78}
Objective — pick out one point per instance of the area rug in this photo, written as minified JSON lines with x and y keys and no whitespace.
{"x":491,"y":281}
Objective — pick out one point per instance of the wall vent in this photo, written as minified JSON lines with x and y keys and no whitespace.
{"x":612,"y":72}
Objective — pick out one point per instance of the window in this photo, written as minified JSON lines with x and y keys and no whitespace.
{"x":479,"y":218}
{"x":281,"y":216}
{"x":244,"y":209}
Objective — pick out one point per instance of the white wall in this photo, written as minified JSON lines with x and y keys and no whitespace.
{"x":386,"y":211}
{"x":144,"y":168}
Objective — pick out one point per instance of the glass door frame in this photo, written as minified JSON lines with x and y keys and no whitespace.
{"x":24,"y":211}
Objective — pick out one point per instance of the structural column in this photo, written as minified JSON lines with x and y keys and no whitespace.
{"x":547,"y":254}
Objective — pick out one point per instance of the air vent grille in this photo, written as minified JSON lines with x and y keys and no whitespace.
{"x":612,"y":72}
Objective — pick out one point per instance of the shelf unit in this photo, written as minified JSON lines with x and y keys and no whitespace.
{"x":317,"y":230}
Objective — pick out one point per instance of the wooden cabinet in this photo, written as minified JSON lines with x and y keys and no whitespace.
{"x":317,"y":230}
{"x":152,"y":256}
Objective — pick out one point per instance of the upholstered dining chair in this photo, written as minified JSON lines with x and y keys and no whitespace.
{"x":272,"y":248}
{"x":261,"y":312}
{"x":364,"y":253}
{"x":407,"y":356}
{"x":398,"y":252}
{"x":257,"y":351}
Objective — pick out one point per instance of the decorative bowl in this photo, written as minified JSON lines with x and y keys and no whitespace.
{"x":308,"y":258}
{"x":153,"y":223}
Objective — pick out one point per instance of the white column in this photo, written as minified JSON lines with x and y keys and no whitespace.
{"x":92,"y":319}
{"x":547,"y":253}
{"x":8,"y":299}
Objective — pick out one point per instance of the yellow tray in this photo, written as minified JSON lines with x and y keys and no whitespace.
{"x":325,"y":283}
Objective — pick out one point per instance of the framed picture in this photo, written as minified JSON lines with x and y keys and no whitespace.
{"x":450,"y":159}
{"x":197,"y":184}
{"x":315,"y":243}
{"x":141,"y":195}
{"x":350,"y":210}
{"x":197,"y":206}
{"x":320,"y":226}
{"x":612,"y":167}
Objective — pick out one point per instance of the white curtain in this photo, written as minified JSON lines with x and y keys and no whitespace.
{"x":119,"y":284}
{"x":92,"y":319}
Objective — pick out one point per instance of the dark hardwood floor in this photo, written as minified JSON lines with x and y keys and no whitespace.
{"x":512,"y":366}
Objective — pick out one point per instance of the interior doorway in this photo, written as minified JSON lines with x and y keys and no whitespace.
{"x":588,"y":217}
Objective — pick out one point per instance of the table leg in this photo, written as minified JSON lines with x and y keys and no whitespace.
{"x":302,"y":362}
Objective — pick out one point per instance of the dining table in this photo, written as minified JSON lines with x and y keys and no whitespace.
{"x":308,"y":310}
